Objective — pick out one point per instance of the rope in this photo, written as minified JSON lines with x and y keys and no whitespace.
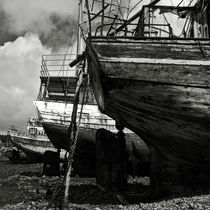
{"x":134,"y":7}
{"x":69,"y":45}
{"x":180,"y":3}
{"x":73,"y":136}
{"x":119,"y":9}
{"x":73,"y":133}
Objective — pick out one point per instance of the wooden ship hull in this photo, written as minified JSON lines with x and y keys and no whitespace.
{"x":159,"y":88}
{"x":56,"y":118}
{"x":58,"y":134}
{"x":138,"y":153}
{"x":57,"y":115}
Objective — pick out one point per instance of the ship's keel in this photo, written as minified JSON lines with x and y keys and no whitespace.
{"x":170,"y":175}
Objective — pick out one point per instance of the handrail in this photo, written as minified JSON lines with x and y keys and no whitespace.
{"x":57,"y":65}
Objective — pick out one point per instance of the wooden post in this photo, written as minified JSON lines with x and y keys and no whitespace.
{"x":51,"y":163}
{"x":110,"y":159}
{"x":155,"y":173}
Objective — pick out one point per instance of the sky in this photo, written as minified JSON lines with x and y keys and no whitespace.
{"x":29,"y":29}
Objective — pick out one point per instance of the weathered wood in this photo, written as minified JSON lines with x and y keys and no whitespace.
{"x":110,"y":160}
{"x":171,"y":175}
{"x":165,"y":101}
{"x":152,"y":48}
{"x":179,"y":72}
{"x":51,"y":163}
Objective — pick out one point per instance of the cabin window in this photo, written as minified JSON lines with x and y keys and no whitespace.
{"x":32,"y":131}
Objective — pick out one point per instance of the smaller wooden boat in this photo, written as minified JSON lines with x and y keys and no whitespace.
{"x":32,"y":142}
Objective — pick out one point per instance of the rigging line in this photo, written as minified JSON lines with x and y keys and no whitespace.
{"x":93,"y":2}
{"x":129,"y":4}
{"x":189,"y":26}
{"x":119,"y":9}
{"x":68,"y":78}
{"x":190,"y":3}
{"x":180,"y":3}
{"x":166,"y":19}
{"x":89,"y":17}
{"x":134,"y":7}
{"x":169,"y":26}
{"x":183,"y":30}
{"x":63,"y":65}
{"x":69,"y":45}
{"x":110,"y":7}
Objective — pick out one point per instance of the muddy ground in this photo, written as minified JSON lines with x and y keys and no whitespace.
{"x":22,"y":186}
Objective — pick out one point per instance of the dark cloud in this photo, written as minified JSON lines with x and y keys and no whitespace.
{"x":53,"y":21}
{"x":5,"y":34}
{"x":61,"y":33}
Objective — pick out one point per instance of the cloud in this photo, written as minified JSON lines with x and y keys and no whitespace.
{"x":54,"y":21}
{"x":25,"y":12}
{"x":19,"y":79}
{"x":29,"y":29}
{"x":62,"y":32}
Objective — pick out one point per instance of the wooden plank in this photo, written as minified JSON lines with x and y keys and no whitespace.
{"x":174,"y":117}
{"x":153,"y":50}
{"x":183,"y":73}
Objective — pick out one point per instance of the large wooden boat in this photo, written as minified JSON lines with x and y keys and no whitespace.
{"x":156,"y":83}
{"x":33,"y":142}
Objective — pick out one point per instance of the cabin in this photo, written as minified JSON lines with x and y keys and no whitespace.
{"x":59,"y":80}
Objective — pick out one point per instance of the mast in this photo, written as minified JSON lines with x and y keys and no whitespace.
{"x":102,"y":19}
{"x":78,"y":29}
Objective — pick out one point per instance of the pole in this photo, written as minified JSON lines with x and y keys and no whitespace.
{"x":102,"y":18}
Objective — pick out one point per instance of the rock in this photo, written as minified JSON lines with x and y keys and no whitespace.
{"x":97,"y":208}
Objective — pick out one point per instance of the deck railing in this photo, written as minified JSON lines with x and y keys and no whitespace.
{"x":57,"y":65}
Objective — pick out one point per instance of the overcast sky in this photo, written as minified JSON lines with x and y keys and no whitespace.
{"x":29,"y":29}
